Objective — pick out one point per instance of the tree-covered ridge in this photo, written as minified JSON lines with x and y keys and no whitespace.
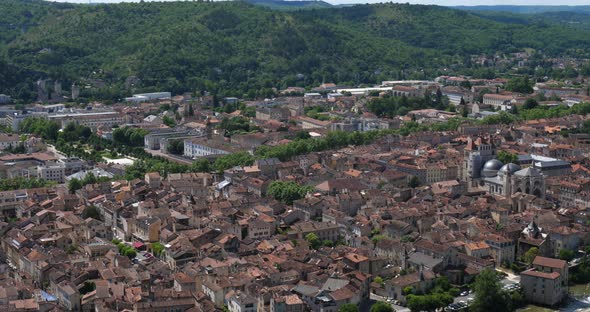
{"x":240,"y":49}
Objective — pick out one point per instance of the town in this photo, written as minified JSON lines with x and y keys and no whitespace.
{"x":411,"y":195}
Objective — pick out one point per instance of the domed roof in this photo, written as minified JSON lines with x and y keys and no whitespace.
{"x":509,"y":168}
{"x":491,"y":167}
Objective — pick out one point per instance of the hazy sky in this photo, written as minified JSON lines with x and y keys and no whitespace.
{"x":439,"y":2}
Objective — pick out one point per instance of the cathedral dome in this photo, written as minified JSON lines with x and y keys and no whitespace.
{"x":508,"y":169}
{"x":491,"y":167}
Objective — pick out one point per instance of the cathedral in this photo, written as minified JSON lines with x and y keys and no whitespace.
{"x":482,"y":169}
{"x":509,"y":179}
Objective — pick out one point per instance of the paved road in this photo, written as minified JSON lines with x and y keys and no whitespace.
{"x":395,"y":307}
{"x":510,"y":279}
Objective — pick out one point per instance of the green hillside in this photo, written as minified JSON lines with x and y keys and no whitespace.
{"x":236,"y":48}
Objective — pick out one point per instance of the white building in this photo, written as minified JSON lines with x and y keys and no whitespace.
{"x":145,"y":97}
{"x":52,"y":172}
{"x":200,"y":147}
{"x":8,"y":140}
{"x":91,"y":120}
{"x":4,"y":99}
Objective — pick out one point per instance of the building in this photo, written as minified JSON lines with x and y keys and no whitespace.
{"x":155,"y":139}
{"x":510,"y":179}
{"x":146,"y":97}
{"x":455,"y":94}
{"x":310,"y":123}
{"x":324,"y":231}
{"x":560,"y":92}
{"x":202,"y":147}
{"x":477,"y":153}
{"x":4,"y":99}
{"x":502,"y":101}
{"x":405,"y":91}
{"x":52,"y":172}
{"x":8,"y":141}
{"x":241,"y":302}
{"x":286,"y":303}
{"x":548,"y":166}
{"x":92,"y":120}
{"x":147,"y":229}
{"x":502,"y":249}
{"x":546,"y":282}
{"x":273,"y":113}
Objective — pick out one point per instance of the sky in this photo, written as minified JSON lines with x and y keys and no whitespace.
{"x":437,"y":2}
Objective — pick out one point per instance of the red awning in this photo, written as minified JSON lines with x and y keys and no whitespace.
{"x":137,"y":245}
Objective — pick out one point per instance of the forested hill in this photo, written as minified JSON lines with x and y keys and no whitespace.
{"x":528,"y":9}
{"x":236,"y":48}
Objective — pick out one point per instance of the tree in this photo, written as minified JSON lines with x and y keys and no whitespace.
{"x":380,"y":306}
{"x":288,"y":192}
{"x":168,"y":121}
{"x":157,"y":248}
{"x":201,"y":165}
{"x":348,"y":307}
{"x":464,"y":111}
{"x":191,"y":110}
{"x":530,"y":255}
{"x":74,"y":185}
{"x":313,"y":240}
{"x":566,"y":254}
{"x":88,"y":287}
{"x":488,"y":293}
{"x":176,"y":147}
{"x":378,"y":280}
{"x":414,"y":182}
{"x":520,"y":85}
{"x":91,"y":212}
{"x":506,"y":157}
{"x":530,"y":103}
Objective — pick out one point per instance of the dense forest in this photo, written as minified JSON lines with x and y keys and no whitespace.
{"x":246,"y":50}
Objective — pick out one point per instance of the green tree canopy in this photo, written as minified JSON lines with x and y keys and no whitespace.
{"x":288,"y":192}
{"x":348,"y":307}
{"x":566,"y":254}
{"x":530,"y":255}
{"x":313,"y":240}
{"x":507,"y":157}
{"x":74,"y":185}
{"x":380,"y":306}
{"x":488,"y":293}
{"x":91,"y":212}
{"x":520,"y":85}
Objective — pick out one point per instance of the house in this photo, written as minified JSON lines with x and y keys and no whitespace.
{"x":418,"y":282}
{"x":241,"y":302}
{"x":477,"y":249}
{"x":546,"y":283}
{"x":147,"y":229}
{"x":286,"y":303}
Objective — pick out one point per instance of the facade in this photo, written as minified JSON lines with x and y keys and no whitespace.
{"x":145,"y":97}
{"x":477,"y":153}
{"x":4,"y":99}
{"x":273,"y":113}
{"x":8,"y":140}
{"x":92,"y":120}
{"x":510,"y":179}
{"x":546,"y":282}
{"x":324,"y":231}
{"x":52,"y":172}
{"x":200,"y":147}
{"x":154,"y":140}
{"x":310,"y":123}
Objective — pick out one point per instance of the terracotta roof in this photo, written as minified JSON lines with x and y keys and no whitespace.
{"x":534,"y":273}
{"x":550,"y":262}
